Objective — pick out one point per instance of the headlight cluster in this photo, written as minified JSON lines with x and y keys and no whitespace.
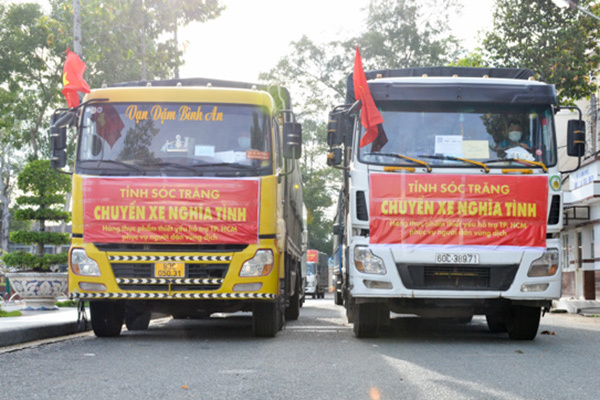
{"x":546,"y":265}
{"x":259,"y":265}
{"x":81,"y":264}
{"x":367,"y":262}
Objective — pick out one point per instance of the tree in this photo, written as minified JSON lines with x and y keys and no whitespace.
{"x":404,"y":33}
{"x":559,"y":45}
{"x":399,"y":33}
{"x":44,"y":190}
{"x":126,"y":41}
{"x":29,"y":74}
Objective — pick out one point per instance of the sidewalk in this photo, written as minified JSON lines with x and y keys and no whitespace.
{"x":37,"y":325}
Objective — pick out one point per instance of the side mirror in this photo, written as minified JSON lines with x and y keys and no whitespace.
{"x":338,"y":229}
{"x":576,"y":138}
{"x":292,"y":140}
{"x":335,"y":128}
{"x":59,"y":159}
{"x":334,"y":157}
{"x":58,"y":138}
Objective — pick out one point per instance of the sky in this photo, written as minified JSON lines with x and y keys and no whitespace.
{"x":251,"y":36}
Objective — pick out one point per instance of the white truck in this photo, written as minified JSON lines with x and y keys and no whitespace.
{"x":317,"y":274}
{"x":447,"y":213}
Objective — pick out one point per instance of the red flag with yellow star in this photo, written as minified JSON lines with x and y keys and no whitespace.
{"x":370,"y":115}
{"x":73,"y":81}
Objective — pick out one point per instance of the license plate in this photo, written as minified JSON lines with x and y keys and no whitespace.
{"x":450,"y":258}
{"x":169,"y":270}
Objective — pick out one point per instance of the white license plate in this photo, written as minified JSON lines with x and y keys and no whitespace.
{"x":451,"y":258}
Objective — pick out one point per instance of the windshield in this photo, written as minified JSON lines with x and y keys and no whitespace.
{"x":440,"y":133}
{"x":174,"y":139}
{"x":310,"y":268}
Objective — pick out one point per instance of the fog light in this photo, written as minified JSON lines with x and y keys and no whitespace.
{"x":247,"y":287}
{"x":535,"y":287}
{"x":377,"y":284}
{"x":92,"y":287}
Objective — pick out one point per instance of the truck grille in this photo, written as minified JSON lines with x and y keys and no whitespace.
{"x":140,"y":276}
{"x":457,"y":277}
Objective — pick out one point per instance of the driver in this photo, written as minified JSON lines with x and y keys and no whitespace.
{"x":514,"y":138}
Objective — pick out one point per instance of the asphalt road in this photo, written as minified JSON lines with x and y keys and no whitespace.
{"x":316,"y":357}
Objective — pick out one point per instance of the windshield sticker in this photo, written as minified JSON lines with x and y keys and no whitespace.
{"x":478,"y":149}
{"x":449,"y":145}
{"x":204,"y":151}
{"x":165,"y":113}
{"x":258,"y":155}
{"x":458,"y":210}
{"x":175,"y":211}
{"x":178,"y":145}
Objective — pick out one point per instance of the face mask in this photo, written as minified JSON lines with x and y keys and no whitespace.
{"x":514,"y":136}
{"x":244,"y":142}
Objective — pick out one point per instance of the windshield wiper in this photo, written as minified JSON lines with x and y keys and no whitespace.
{"x":414,"y":160}
{"x":520,"y":160}
{"x":222,"y":164}
{"x":171,"y":164}
{"x":466,"y":160}
{"x":115,"y":162}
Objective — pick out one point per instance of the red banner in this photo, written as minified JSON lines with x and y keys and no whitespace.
{"x":458,"y":210}
{"x":311,"y":256}
{"x":154,"y":210}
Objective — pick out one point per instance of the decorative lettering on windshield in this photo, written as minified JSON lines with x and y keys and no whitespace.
{"x":165,"y":113}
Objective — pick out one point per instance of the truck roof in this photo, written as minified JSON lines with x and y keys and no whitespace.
{"x":456,"y":84}
{"x":280,"y":94}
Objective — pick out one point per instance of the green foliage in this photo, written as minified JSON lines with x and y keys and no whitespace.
{"x":118,"y":35}
{"x":15,"y":313}
{"x":29,"y":74}
{"x":560,"y":45}
{"x":40,"y":183}
{"x":405,"y":33}
{"x":397,"y":33}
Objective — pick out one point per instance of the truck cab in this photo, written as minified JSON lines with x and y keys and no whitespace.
{"x":455,"y":207}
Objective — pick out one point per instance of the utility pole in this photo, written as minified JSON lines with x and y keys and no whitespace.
{"x":77,"y":28}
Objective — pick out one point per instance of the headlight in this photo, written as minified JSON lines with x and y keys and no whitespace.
{"x":367,"y":262}
{"x":259,"y":265}
{"x":546,"y":265}
{"x":81,"y":264}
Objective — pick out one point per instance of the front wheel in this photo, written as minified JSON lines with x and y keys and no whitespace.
{"x":495,"y":323}
{"x":107,"y":318}
{"x":366,"y":320}
{"x":523,"y":322}
{"x":137,"y":321}
{"x":339,"y":298}
{"x":265,"y":318}
{"x":292,"y":312}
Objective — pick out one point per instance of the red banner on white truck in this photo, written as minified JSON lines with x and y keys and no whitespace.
{"x":458,"y":210}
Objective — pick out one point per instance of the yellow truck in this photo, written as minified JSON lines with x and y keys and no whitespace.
{"x":187,"y":200}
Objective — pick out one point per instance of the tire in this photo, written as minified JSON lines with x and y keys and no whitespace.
{"x":523,"y":322}
{"x":366,"y":320}
{"x":292,"y":312}
{"x":495,"y":324}
{"x":137,"y":321}
{"x":339,"y":299}
{"x":265,"y":319}
{"x":107,"y":318}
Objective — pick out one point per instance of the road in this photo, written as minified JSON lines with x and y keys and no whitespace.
{"x":316,"y":357}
